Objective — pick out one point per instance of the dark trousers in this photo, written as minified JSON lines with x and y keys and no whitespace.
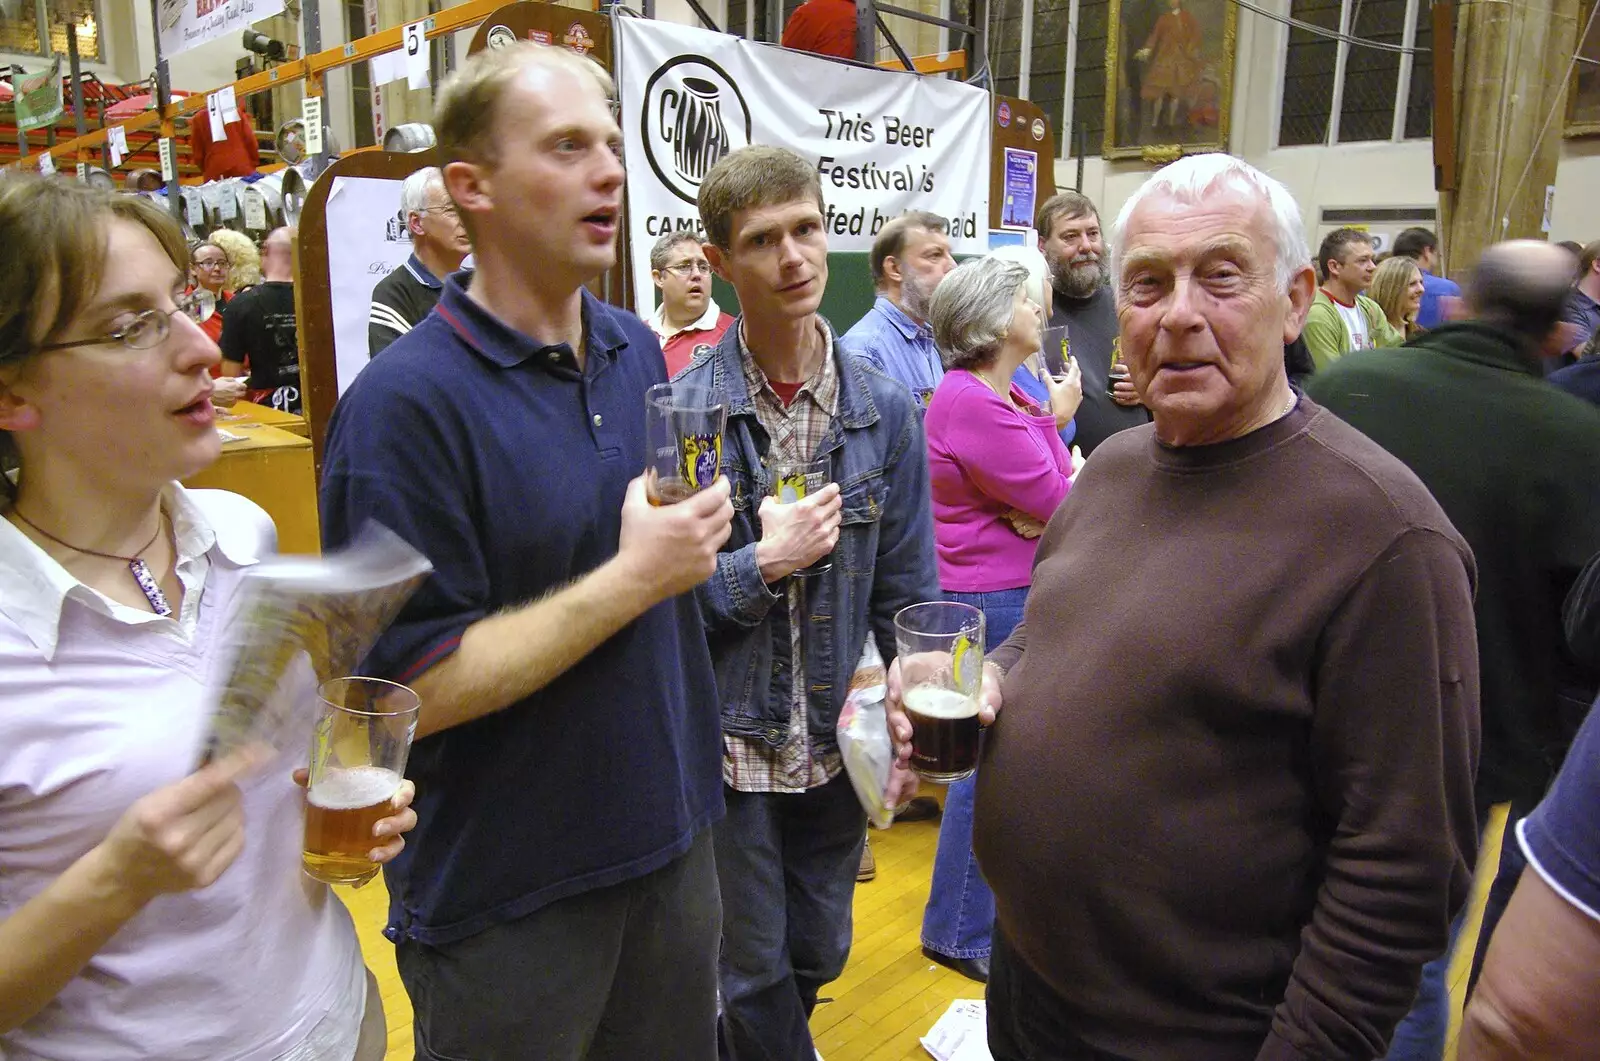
{"x":787,"y":863}
{"x":1026,"y":1022}
{"x":624,"y":973}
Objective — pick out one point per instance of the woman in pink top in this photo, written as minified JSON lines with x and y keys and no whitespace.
{"x":148,"y":908}
{"x":998,"y":470}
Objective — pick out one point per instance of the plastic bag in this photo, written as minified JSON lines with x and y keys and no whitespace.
{"x":863,"y":733}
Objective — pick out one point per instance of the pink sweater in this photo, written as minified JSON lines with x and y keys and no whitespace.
{"x":986,"y":458}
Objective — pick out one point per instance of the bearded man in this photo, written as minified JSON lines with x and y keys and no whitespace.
{"x":1070,"y":239}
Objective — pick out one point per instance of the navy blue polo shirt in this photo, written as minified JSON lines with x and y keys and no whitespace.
{"x":506,"y":465}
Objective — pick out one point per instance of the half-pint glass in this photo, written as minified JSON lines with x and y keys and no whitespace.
{"x":683,"y":434}
{"x":358,"y":758}
{"x":940,"y":647}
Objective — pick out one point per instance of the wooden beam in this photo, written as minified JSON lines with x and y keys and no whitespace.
{"x":1444,"y":103}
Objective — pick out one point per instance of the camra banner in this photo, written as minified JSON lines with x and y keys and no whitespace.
{"x":883,"y":142}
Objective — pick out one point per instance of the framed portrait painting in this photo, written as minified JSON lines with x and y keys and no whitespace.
{"x":1169,"y":77}
{"x":1583,"y":92}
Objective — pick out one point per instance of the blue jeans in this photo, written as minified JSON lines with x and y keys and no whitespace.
{"x":1421,"y":1034}
{"x":787,"y":865}
{"x":960,"y":911}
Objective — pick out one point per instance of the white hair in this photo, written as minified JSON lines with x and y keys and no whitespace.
{"x":1192,"y":179}
{"x":1029,"y":257}
{"x":414,"y":192}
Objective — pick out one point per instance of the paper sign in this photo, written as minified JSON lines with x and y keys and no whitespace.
{"x":169,"y":162}
{"x":228,"y":104}
{"x":387,"y":68}
{"x":196,"y":208}
{"x":214,"y":112}
{"x":117,"y":141}
{"x":227,"y":205}
{"x":83,"y":172}
{"x":416,"y":55}
{"x":1549,"y":207}
{"x":311,"y":114}
{"x":47,"y":163}
{"x":255,"y":212}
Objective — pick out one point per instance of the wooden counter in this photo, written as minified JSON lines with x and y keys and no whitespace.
{"x":272,"y":468}
{"x":250,"y":412}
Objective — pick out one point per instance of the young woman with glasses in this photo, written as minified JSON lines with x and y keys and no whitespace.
{"x":148,"y":907}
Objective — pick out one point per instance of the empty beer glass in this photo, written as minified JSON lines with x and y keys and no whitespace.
{"x":940,"y":648}
{"x":358,"y":759}
{"x":794,"y":480}
{"x":683,"y":434}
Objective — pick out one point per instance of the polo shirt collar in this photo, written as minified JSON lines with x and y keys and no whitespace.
{"x":34,"y":588}
{"x":423,"y":276}
{"x":903,"y":321}
{"x":707,"y":321}
{"x":502,"y":345}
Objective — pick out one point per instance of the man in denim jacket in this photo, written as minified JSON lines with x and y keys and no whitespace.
{"x":784,"y":645}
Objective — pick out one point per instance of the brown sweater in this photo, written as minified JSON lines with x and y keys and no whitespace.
{"x":1227,"y":809}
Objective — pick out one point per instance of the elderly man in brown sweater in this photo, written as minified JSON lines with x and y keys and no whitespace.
{"x":1227,"y":808}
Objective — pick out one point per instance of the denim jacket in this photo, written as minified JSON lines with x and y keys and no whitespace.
{"x":883,"y":562}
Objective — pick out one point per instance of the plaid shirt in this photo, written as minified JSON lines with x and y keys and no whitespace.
{"x":796,"y":431}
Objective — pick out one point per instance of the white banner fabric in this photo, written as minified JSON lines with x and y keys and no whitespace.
{"x":188,"y":23}
{"x":883,"y":142}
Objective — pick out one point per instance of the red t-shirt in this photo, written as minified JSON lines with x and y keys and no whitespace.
{"x":824,"y":27}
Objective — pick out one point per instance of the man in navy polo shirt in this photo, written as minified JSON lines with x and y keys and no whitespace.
{"x":784,"y":644}
{"x":557,"y":898}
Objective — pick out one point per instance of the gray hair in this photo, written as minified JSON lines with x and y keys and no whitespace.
{"x":414,"y":192}
{"x":1029,"y":257}
{"x":972,"y":308}
{"x":662,"y":250}
{"x":1191,"y":180}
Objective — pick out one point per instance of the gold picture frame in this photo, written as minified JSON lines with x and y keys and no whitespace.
{"x":1169,"y":77}
{"x":1583,"y":91}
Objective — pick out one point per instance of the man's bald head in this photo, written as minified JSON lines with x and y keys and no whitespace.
{"x":1521,"y":286}
{"x":277,"y":255}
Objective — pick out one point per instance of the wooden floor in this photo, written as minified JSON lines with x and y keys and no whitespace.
{"x":889,"y":994}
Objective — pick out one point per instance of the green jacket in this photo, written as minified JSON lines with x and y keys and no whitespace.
{"x":1512,"y":461}
{"x":1327,"y":337}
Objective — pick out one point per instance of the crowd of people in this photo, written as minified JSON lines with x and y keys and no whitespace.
{"x":1276,"y":616}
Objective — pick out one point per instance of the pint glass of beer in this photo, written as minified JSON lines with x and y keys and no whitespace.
{"x":792,"y":481}
{"x":683,"y":433}
{"x":358,"y":758}
{"x":940,"y":646}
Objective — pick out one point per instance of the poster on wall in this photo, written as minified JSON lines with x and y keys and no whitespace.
{"x":1021,"y":188}
{"x":367,"y":238}
{"x":188,"y":23}
{"x":883,"y":142}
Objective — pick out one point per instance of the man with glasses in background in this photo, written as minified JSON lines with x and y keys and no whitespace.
{"x":688,"y":320}
{"x":439,"y":243}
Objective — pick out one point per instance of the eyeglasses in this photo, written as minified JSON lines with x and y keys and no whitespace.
{"x":211,"y":263}
{"x":684,"y":270}
{"x":448,"y":211}
{"x":146,"y":330}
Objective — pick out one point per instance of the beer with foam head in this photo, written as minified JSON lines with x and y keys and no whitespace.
{"x":944,"y":733}
{"x":358,"y":758}
{"x":341,"y":809}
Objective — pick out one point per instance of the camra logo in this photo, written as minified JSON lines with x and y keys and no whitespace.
{"x":693,"y":115}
